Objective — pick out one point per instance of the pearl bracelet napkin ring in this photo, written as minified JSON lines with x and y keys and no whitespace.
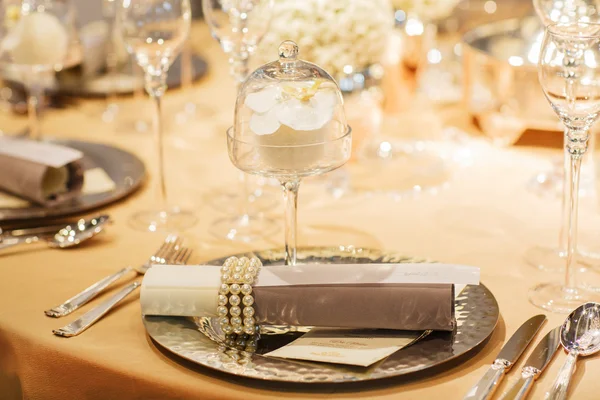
{"x":236,"y":302}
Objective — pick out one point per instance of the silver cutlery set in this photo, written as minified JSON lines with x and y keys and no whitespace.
{"x":170,"y":252}
{"x":74,"y":233}
{"x":579,"y":335}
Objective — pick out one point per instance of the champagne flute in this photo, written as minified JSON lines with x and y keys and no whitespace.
{"x":289,"y":124}
{"x":569,"y":74}
{"x":154,"y":31}
{"x":239,"y":26}
{"x":38,"y":39}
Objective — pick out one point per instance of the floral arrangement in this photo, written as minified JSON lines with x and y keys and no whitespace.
{"x":331,"y":33}
{"x":427,"y":10}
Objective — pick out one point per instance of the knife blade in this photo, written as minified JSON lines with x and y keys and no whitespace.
{"x":534,"y":366}
{"x":510,"y":353}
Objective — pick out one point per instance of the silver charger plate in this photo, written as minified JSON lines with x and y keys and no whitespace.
{"x":125,"y":169}
{"x":200,"y":341}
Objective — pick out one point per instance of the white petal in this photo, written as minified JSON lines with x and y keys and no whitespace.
{"x":265,"y":124}
{"x":301,"y":116}
{"x":262,"y":101}
{"x":324,"y":99}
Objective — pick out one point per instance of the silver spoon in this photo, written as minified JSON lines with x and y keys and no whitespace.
{"x":68,"y":236}
{"x":580,"y":336}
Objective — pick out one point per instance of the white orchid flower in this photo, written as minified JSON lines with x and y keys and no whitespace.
{"x":301,"y":106}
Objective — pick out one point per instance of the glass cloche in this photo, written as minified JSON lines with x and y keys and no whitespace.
{"x":289,"y":123}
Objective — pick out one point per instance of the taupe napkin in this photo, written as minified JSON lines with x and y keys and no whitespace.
{"x":46,"y":180}
{"x":381,"y":306}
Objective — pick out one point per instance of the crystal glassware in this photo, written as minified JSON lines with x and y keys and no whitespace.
{"x":546,"y":258}
{"x":569,"y":74}
{"x":154,"y":31}
{"x":289,"y":124}
{"x":38,"y":39}
{"x":239,"y":26}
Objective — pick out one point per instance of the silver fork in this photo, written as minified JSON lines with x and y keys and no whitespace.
{"x":180,"y":257}
{"x":169,"y":246}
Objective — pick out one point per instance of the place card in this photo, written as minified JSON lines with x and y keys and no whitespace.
{"x":96,"y":180}
{"x":362,"y":347}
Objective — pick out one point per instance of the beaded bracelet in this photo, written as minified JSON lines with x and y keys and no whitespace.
{"x":238,"y":324}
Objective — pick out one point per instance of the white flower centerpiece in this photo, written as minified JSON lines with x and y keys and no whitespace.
{"x":332,"y":33}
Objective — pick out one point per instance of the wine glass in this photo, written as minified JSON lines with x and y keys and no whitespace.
{"x":569,"y":74}
{"x":154,"y":31}
{"x":289,"y":124}
{"x":239,"y":26}
{"x":552,"y":259}
{"x":38,"y":40}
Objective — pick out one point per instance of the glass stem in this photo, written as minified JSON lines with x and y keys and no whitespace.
{"x":564,"y":212}
{"x":290,"y":194}
{"x":35,"y":91}
{"x":186,"y":65}
{"x":156,"y":86}
{"x":244,"y":198}
{"x":576,"y":146}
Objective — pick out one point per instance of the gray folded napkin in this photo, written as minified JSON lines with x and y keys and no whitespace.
{"x":43,"y":173}
{"x":381,"y":306}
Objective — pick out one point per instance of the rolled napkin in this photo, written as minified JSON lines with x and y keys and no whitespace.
{"x":379,"y":296}
{"x":41,"y":172}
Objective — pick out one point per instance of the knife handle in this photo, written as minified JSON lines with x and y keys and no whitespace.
{"x":521,"y":388}
{"x":487,"y":385}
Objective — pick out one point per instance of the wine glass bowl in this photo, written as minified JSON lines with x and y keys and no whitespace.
{"x":38,"y":37}
{"x":286,"y":158}
{"x":570,"y":78}
{"x":154,"y":31}
{"x":234,"y":23}
{"x":565,"y":11}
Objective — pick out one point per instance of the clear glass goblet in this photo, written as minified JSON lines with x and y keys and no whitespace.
{"x":154,"y":31}
{"x":239,"y":26}
{"x":289,"y":124}
{"x":570,"y":77}
{"x":552,"y":258}
{"x":38,"y":39}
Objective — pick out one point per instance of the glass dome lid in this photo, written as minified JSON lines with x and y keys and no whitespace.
{"x":290,"y":95}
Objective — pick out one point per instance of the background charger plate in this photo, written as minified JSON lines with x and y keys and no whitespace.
{"x":126,"y":171}
{"x":199,"y":340}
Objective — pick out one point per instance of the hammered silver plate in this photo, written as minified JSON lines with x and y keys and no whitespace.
{"x":126,"y":171}
{"x":200,"y":341}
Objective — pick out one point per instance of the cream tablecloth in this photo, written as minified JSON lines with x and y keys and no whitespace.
{"x":484,"y":217}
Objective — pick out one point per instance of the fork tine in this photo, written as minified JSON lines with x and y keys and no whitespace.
{"x":182,"y":256}
{"x":171,"y":249}
{"x":186,"y":258}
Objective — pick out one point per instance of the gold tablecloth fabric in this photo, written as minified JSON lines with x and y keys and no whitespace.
{"x":484,"y":217}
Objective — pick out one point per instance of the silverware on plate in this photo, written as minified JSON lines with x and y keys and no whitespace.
{"x":580,"y":336}
{"x":539,"y":359}
{"x":162,"y":256}
{"x":67,"y":236}
{"x":510,"y":353}
{"x":179,"y":257}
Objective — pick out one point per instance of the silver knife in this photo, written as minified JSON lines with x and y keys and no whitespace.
{"x":534,"y":366}
{"x":510,"y":353}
